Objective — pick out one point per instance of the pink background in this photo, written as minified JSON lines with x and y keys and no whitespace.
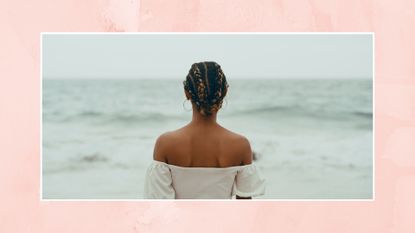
{"x":393,"y":23}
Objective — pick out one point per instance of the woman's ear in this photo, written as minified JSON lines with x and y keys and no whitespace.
{"x":187,"y":95}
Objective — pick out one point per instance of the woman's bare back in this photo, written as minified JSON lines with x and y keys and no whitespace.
{"x":201,"y":145}
{"x":203,"y":142}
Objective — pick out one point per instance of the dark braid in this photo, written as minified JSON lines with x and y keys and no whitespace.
{"x":206,"y":83}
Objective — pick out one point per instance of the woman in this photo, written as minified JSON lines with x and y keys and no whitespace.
{"x":202,"y":159}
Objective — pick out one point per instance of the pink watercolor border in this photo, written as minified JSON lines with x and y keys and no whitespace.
{"x":392,"y":211}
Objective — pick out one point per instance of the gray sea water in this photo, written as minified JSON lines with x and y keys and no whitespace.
{"x":312,"y":137}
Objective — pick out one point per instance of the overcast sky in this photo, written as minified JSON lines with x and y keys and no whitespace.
{"x":241,"y":56}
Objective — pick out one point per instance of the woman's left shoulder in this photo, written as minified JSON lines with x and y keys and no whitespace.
{"x":167,"y":138}
{"x":161,"y":146}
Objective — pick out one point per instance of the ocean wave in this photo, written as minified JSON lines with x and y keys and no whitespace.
{"x":93,"y":158}
{"x":267,"y":109}
{"x":287,"y":111}
{"x":363,"y":114}
{"x":102,"y":117}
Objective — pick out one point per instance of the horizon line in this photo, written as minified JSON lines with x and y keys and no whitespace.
{"x":182,"y":78}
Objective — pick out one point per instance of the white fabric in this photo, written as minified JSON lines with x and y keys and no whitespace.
{"x":166,"y":181}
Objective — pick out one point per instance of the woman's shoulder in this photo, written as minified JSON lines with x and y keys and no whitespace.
{"x":235,"y":137}
{"x":240,"y":145}
{"x":170,"y":135}
{"x":168,"y":138}
{"x":162,"y":145}
{"x":237,"y":145}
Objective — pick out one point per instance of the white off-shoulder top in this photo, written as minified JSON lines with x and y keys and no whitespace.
{"x":166,"y":181}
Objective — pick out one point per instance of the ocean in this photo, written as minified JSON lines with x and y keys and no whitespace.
{"x":312,"y":138}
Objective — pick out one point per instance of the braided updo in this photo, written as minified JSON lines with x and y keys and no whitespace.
{"x":206,"y":83}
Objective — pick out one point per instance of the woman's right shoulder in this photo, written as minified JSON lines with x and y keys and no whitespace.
{"x":241,"y":145}
{"x":235,"y":136}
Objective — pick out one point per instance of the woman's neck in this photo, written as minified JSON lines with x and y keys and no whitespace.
{"x":198,"y":118}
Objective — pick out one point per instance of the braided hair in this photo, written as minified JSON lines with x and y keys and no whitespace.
{"x":206,"y":83}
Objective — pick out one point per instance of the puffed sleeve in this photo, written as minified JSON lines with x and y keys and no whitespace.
{"x":158,"y":182}
{"x":249,"y":182}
